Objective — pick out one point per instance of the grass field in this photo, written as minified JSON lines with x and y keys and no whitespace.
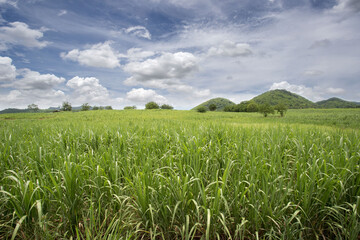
{"x":158,"y":174}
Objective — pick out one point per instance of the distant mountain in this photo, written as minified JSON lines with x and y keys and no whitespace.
{"x":219,"y":102}
{"x":14,"y":110}
{"x":291,"y":100}
{"x":337,"y":103}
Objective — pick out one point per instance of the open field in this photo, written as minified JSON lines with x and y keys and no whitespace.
{"x":161,"y":174}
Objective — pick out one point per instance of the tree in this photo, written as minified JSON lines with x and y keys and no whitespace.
{"x":166,"y":106}
{"x":152,"y":105}
{"x":108,"y":108}
{"x":129,"y":107}
{"x":85,"y":107}
{"x":95,"y":108}
{"x":212,"y":107}
{"x":266,"y":109}
{"x":66,"y":106}
{"x":281,"y":108}
{"x":201,"y":109}
{"x":33,"y":107}
{"x":252,"y":107}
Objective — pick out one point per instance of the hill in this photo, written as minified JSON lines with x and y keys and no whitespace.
{"x":219,"y":102}
{"x":336,"y":103}
{"x":291,"y":100}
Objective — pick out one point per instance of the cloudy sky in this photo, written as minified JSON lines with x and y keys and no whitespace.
{"x":179,"y":52}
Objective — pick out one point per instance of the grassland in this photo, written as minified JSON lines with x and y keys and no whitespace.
{"x":161,"y":174}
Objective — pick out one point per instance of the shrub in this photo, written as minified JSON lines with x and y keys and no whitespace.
{"x":166,"y":106}
{"x":152,"y":105}
{"x":266,"y":109}
{"x":85,"y":107}
{"x":201,"y":109}
{"x":212,"y":107}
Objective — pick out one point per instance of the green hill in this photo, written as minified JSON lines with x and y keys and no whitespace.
{"x":219,"y":102}
{"x":336,"y":103}
{"x":291,"y":100}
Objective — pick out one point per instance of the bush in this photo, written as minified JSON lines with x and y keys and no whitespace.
{"x":108,"y":108}
{"x":66,"y":106}
{"x":266,"y":109}
{"x":129,"y":107}
{"x":152,"y":105}
{"x":166,"y":106}
{"x":201,"y":109}
{"x":252,"y":107}
{"x":85,"y":107}
{"x":281,"y":108}
{"x":212,"y":107}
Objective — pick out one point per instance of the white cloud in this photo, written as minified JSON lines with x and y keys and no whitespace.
{"x":32,"y":80}
{"x":230,"y":49}
{"x":142,"y":95}
{"x":348,"y":5}
{"x":139,"y":31}
{"x":19,"y":33}
{"x":11,"y":2}
{"x":335,"y":90}
{"x":62,"y":12}
{"x":7,"y":70}
{"x":301,"y":90}
{"x":99,"y":55}
{"x":137,"y":54}
{"x":167,"y":66}
{"x":88,"y":90}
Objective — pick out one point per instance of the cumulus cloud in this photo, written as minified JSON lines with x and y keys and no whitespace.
{"x":139,"y":31}
{"x":7,"y":70}
{"x":230,"y":49}
{"x":88,"y":89}
{"x":167,"y":66}
{"x":32,"y":80}
{"x":19,"y":33}
{"x":137,"y":54}
{"x":301,"y":90}
{"x":99,"y":55}
{"x":142,"y":95}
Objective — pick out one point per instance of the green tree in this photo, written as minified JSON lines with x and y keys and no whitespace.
{"x":166,"y":106}
{"x":281,"y":108}
{"x":201,"y":109}
{"x":266,"y":109}
{"x":66,"y":106}
{"x":108,"y":108}
{"x":85,"y":107}
{"x":152,"y":105}
{"x":212,"y":107}
{"x":252,"y":107}
{"x":129,"y":107}
{"x":95,"y":108}
{"x":33,"y":107}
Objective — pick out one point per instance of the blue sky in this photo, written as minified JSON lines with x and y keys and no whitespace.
{"x":179,"y":52}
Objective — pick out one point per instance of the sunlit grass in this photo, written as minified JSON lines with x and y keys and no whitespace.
{"x":180,"y":175}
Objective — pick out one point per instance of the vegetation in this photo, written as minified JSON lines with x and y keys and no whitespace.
{"x":129,"y":107}
{"x":281,"y":108}
{"x":252,"y":107}
{"x":166,"y":106}
{"x":85,"y":107}
{"x":266,"y":109}
{"x":33,"y":107}
{"x":152,"y":105}
{"x":201,"y":109}
{"x":66,"y":106}
{"x":108,"y":108}
{"x":291,"y":100}
{"x":220,"y":103}
{"x":154,"y":175}
{"x":212,"y":107}
{"x":337,"y":103}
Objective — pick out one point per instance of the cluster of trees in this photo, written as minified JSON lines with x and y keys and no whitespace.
{"x":251,"y":106}
{"x":154,"y":105}
{"x":87,"y":107}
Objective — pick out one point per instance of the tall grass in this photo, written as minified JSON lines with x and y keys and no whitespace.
{"x":177,"y":175}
